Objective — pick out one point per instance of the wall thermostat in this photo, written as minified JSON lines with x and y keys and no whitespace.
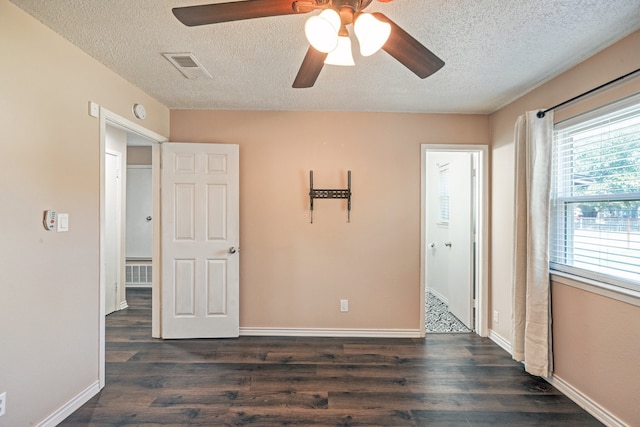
{"x":49,"y":220}
{"x":139,"y":111}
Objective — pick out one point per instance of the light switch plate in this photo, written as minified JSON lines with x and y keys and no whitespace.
{"x":94,"y":109}
{"x":3,"y":403}
{"x":63,"y":222}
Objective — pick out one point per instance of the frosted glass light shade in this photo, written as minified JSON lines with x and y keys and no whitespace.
{"x":322,"y":30}
{"x":372,"y":34}
{"x":342,"y":54}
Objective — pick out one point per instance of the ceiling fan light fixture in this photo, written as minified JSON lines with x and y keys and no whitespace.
{"x":322,"y":30}
{"x":342,"y":54}
{"x":372,"y":34}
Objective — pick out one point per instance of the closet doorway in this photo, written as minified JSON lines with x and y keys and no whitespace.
{"x":139,"y":214}
{"x":128,"y":215}
{"x":454,"y":239}
{"x":117,"y":134}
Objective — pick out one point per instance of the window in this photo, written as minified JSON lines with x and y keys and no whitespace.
{"x":444,"y":193}
{"x":595,"y":195}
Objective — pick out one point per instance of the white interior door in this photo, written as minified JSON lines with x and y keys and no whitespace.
{"x":437,"y":254}
{"x":112,"y":230}
{"x":139,"y":210}
{"x":200,"y":237}
{"x":461,"y":238}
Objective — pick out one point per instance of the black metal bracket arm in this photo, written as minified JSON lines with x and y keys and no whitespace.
{"x":315,"y":193}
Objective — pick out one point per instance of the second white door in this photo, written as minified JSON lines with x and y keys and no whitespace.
{"x":200,"y":238}
{"x":139,"y":241}
{"x":461,"y":232}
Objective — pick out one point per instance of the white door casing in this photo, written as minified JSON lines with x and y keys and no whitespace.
{"x":200,"y":238}
{"x":107,"y":120}
{"x":461,"y":231}
{"x":112,"y":229}
{"x":481,"y":220}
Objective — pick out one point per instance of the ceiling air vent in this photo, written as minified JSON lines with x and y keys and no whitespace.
{"x":188,"y":65}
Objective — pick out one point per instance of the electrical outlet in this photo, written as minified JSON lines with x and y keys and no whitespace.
{"x":344,"y":305}
{"x":3,"y":403}
{"x":496,"y":316}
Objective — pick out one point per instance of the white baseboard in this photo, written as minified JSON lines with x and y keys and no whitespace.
{"x":441,"y":297}
{"x":568,"y":390}
{"x":314,"y":332}
{"x":586,"y":403}
{"x":71,"y":406}
{"x":123,"y":305}
{"x":502,"y":342}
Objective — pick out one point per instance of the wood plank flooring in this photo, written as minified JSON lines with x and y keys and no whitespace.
{"x":444,"y":380}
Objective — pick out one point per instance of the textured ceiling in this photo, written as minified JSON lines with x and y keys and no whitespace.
{"x":494,"y":50}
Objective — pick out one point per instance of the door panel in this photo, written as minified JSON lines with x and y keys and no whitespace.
{"x":461,"y":237}
{"x":216,"y":212}
{"x":184,"y":221}
{"x":139,"y":210}
{"x":184,"y":287}
{"x":200,"y":274}
{"x":217,"y":301}
{"x":437,"y":254}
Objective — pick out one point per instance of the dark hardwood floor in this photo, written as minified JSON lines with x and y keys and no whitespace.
{"x":444,"y":380}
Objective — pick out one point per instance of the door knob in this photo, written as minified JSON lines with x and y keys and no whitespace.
{"x":448,"y":244}
{"x":148,"y":218}
{"x":232,"y":250}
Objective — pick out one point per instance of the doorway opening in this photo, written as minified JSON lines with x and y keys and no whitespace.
{"x":453,"y":285}
{"x":117,"y":136}
{"x":139,"y":210}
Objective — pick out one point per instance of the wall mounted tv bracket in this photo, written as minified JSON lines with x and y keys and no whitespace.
{"x":330,"y":194}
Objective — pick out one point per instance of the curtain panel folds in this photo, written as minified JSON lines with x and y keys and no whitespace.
{"x":531,"y":311}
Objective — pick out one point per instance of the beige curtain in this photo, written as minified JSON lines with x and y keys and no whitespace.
{"x":531,"y":340}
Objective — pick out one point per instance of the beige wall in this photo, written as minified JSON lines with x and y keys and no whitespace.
{"x":580,"y":362}
{"x":596,"y":348}
{"x":294,"y":273}
{"x":49,"y":159}
{"x":139,"y":156}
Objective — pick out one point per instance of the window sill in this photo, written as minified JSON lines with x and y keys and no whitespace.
{"x":614,"y":292}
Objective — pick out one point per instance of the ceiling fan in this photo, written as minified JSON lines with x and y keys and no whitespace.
{"x":331,"y":23}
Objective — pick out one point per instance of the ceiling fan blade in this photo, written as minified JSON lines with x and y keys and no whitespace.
{"x":310,"y":68}
{"x":409,"y":51}
{"x":238,"y":10}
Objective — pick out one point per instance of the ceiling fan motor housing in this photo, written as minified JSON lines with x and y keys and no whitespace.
{"x":354,"y":5}
{"x":346,"y":9}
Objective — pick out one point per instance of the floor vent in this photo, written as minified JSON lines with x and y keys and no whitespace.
{"x":138,"y":275}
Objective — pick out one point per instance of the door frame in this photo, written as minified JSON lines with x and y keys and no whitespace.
{"x":108,"y":118}
{"x":482,"y":233}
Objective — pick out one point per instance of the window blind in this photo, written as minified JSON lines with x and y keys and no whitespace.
{"x":595,"y":197}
